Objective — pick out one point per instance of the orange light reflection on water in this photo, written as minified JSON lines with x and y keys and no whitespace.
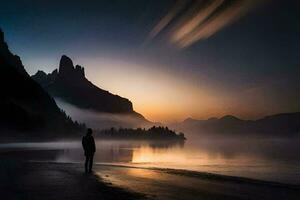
{"x":149,"y":155}
{"x":190,"y":159}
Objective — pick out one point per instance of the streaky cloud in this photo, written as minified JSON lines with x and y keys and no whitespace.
{"x":191,"y":23}
{"x":200,"y":20}
{"x":178,"y":6}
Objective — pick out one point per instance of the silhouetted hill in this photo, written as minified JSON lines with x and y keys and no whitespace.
{"x":70,"y":84}
{"x":286,"y":124}
{"x":9,"y":59}
{"x":24,"y":105}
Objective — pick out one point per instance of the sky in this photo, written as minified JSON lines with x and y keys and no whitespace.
{"x":172,"y":59}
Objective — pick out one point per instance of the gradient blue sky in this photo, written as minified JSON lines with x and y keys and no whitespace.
{"x":249,"y":68}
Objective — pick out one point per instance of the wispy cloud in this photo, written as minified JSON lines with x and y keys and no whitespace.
{"x":168,"y":18}
{"x":190,"y":24}
{"x":191,"y":21}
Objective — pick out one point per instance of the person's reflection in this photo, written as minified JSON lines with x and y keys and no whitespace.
{"x":88,"y":144}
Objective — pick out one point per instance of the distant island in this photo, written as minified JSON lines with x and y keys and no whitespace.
{"x":153,"y":133}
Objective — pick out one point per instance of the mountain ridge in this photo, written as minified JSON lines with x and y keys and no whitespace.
{"x":234,"y":117}
{"x":282,"y":124}
{"x":69,"y":83}
{"x":24,"y":105}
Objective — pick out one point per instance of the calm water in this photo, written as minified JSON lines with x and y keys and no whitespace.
{"x":276,"y":159}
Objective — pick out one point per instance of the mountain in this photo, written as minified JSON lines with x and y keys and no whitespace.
{"x":25,"y":108}
{"x":285,"y":124}
{"x":69,"y":84}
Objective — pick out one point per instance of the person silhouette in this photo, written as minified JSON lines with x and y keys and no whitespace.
{"x":89,"y":147}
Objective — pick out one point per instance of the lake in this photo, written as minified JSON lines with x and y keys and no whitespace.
{"x":265,"y":159}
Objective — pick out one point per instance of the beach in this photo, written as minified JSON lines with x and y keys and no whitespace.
{"x":55,"y":181}
{"x":22,"y":178}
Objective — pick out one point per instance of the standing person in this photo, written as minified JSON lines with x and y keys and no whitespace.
{"x":88,"y":144}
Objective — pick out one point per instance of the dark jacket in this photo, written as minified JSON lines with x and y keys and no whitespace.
{"x":88,"y":144}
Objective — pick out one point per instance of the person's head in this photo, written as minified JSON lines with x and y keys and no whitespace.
{"x":89,"y":132}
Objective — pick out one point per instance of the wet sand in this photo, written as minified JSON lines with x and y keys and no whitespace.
{"x":170,"y":184}
{"x":21,"y":178}
{"x":52,"y":181}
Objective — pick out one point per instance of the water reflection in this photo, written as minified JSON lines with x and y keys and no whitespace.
{"x":269,"y":159}
{"x":111,"y":151}
{"x":263,"y":159}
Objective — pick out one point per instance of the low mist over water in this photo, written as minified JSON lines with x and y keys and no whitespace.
{"x":266,"y":159}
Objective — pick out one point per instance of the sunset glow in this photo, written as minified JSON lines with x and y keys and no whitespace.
{"x":193,"y":59}
{"x":159,"y":95}
{"x":141,"y":99}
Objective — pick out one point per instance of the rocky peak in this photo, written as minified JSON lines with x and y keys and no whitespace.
{"x":9,"y":58}
{"x":3,"y":46}
{"x":54,"y":73}
{"x":67,"y":71}
{"x":66,"y":66}
{"x":79,"y":70}
{"x":41,"y":73}
{"x":69,"y":84}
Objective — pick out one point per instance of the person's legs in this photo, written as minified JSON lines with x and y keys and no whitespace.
{"x":91,"y":163}
{"x":86,"y":163}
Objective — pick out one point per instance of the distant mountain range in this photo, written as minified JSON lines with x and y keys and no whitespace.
{"x":69,"y":84}
{"x":24,"y":105}
{"x":286,"y":124}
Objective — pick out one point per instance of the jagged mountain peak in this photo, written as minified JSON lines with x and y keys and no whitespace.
{"x":41,"y":73}
{"x":68,"y":71}
{"x":70,"y":84}
{"x":80,"y":70}
{"x":24,"y":105}
{"x":65,"y":61}
{"x":10,"y":58}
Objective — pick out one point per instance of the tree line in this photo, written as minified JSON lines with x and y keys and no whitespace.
{"x":153,"y":133}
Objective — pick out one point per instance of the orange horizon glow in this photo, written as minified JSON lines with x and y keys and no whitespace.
{"x":157,"y":95}
{"x":161,"y":96}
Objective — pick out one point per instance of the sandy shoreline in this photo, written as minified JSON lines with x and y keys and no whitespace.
{"x":32,"y":180}
{"x":23,"y":179}
{"x":209,"y":176}
{"x":166,"y":184}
